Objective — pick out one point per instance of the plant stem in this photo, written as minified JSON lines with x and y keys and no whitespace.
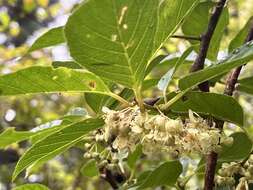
{"x":229,"y":90}
{"x":232,"y":79}
{"x":195,"y":38}
{"x":199,"y":65}
{"x":174,"y":100}
{"x":206,"y":40}
{"x":139,"y":99}
{"x":120,"y":99}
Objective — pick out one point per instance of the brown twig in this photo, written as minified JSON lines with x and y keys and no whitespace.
{"x":195,"y":38}
{"x":107,"y":176}
{"x":232,"y":79}
{"x":229,"y":90}
{"x":199,"y":65}
{"x":205,"y":42}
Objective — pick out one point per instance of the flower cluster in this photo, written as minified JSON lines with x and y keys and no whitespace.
{"x":126,"y":128}
{"x":228,"y":172}
{"x":101,"y":158}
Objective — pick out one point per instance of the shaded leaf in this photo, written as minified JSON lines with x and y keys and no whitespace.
{"x":90,"y":169}
{"x":56,"y":143}
{"x":166,"y":174}
{"x":148,"y":83}
{"x":134,"y":156}
{"x":240,"y":149}
{"x":52,"y":37}
{"x":235,"y":59}
{"x":124,"y":37}
{"x":210,"y":104}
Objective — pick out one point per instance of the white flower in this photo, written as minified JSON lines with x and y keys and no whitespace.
{"x":136,"y":129}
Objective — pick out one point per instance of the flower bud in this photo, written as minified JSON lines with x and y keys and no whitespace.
{"x":115,"y":160}
{"x":124,"y":129}
{"x":221,"y":180}
{"x":103,"y":164}
{"x":87,"y":155}
{"x":100,"y":138}
{"x":160,"y":122}
{"x":250,"y":160}
{"x":87,"y":146}
{"x":95,"y":155}
{"x":111,"y":166}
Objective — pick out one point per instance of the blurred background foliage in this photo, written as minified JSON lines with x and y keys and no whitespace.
{"x":21,"y":22}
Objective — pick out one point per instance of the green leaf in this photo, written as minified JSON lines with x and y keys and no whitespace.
{"x":46,"y":129}
{"x":240,"y":149}
{"x":34,"y":186}
{"x":48,"y":80}
{"x":210,"y":104}
{"x":126,"y":93}
{"x":197,"y":22}
{"x":97,"y":101}
{"x":134,"y":156}
{"x":52,"y":37}
{"x":166,"y":79}
{"x":67,"y":64}
{"x":241,"y":36}
{"x":90,"y":169}
{"x":154,"y":63}
{"x":56,"y":143}
{"x":123,"y":36}
{"x":166,"y":174}
{"x":235,"y":59}
{"x":10,"y":136}
{"x":168,"y":64}
{"x":246,"y":85}
{"x":148,"y":83}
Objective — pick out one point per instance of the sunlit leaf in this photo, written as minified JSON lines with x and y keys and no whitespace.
{"x":67,"y":64}
{"x":34,"y":186}
{"x":48,"y":80}
{"x":52,"y":37}
{"x":122,"y":36}
{"x":10,"y":136}
{"x":56,"y":143}
{"x":235,"y":59}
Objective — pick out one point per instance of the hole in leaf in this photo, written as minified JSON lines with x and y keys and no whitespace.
{"x":92,"y":84}
{"x":184,"y":98}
